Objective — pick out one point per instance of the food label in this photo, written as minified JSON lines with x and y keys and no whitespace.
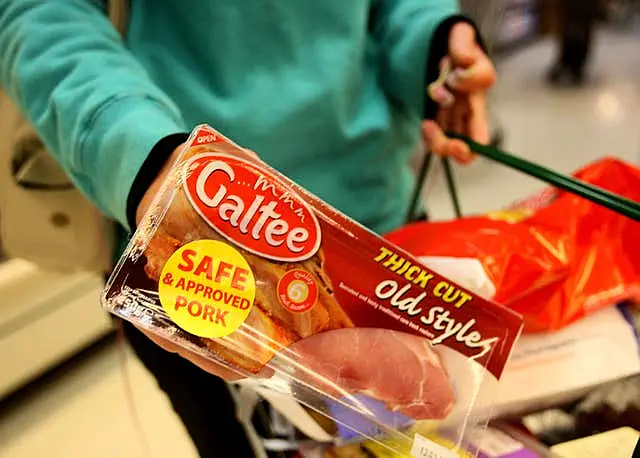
{"x":247,"y":269}
{"x":425,"y":448}
{"x":251,"y":207}
{"x":317,"y":272}
{"x":297,"y":290}
{"x":207,"y":288}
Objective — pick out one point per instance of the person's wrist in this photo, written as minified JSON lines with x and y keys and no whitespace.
{"x":156,"y":185}
{"x":150,"y":176}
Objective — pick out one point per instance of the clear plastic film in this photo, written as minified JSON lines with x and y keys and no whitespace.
{"x":271,"y":286}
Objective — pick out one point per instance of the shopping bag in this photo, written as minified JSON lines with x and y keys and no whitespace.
{"x":554,"y":257}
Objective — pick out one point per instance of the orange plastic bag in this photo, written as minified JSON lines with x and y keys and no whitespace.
{"x":554,"y":257}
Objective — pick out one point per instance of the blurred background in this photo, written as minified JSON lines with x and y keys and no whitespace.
{"x":568,"y":94}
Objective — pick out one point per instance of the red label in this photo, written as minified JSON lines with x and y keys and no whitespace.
{"x":352,"y":278}
{"x":205,"y":136}
{"x":251,"y":207}
{"x":297,"y":290}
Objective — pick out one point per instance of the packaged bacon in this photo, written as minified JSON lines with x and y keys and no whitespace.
{"x":240,"y":265}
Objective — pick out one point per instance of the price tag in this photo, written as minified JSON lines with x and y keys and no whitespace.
{"x":425,"y":448}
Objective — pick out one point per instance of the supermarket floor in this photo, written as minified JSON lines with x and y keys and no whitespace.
{"x":85,"y":410}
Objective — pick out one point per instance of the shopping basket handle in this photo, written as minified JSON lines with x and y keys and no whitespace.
{"x":600,"y":196}
{"x":422,"y":175}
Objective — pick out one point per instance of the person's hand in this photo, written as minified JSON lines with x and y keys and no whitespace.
{"x":148,"y":197}
{"x":203,"y":363}
{"x":473,"y":76}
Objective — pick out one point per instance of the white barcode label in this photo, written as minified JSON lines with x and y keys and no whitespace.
{"x":425,"y":448}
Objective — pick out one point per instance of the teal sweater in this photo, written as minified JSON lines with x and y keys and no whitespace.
{"x":328,"y":92}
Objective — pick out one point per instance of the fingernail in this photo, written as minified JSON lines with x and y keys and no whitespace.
{"x":428,"y":128}
{"x":459,"y":74}
{"x":441,"y":96}
{"x":446,"y":66}
{"x":431,"y":130}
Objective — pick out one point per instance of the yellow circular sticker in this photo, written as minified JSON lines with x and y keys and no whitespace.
{"x":207,"y":288}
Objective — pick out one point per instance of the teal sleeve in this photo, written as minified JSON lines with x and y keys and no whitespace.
{"x":91,"y":101}
{"x":403,"y":30}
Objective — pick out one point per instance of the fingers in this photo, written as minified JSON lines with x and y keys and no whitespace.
{"x":477,"y":122}
{"x":460,"y":114}
{"x":458,"y":150}
{"x":434,"y":137}
{"x":474,"y":74}
{"x":441,"y":145}
{"x":474,"y":70}
{"x":467,"y":116}
{"x":478,"y":77}
{"x":203,"y":363}
{"x":455,"y":118}
{"x":441,"y":96}
{"x":463,"y":48}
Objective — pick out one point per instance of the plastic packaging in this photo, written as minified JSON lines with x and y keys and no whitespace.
{"x":554,"y":257}
{"x":491,"y":442}
{"x":236,"y":263}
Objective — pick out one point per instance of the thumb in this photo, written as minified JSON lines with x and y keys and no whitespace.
{"x":463,"y":48}
{"x":474,"y":69}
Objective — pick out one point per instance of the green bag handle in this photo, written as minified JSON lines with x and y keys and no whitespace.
{"x":413,"y":215}
{"x":607,"y":199}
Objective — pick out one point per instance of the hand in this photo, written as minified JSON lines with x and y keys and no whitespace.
{"x":470,"y":83}
{"x":203,"y":363}
{"x":148,"y":197}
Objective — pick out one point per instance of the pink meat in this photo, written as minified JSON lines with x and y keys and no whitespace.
{"x":399,"y":369}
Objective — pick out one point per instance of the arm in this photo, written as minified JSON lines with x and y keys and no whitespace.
{"x":89,"y":99}
{"x":410,"y":33}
